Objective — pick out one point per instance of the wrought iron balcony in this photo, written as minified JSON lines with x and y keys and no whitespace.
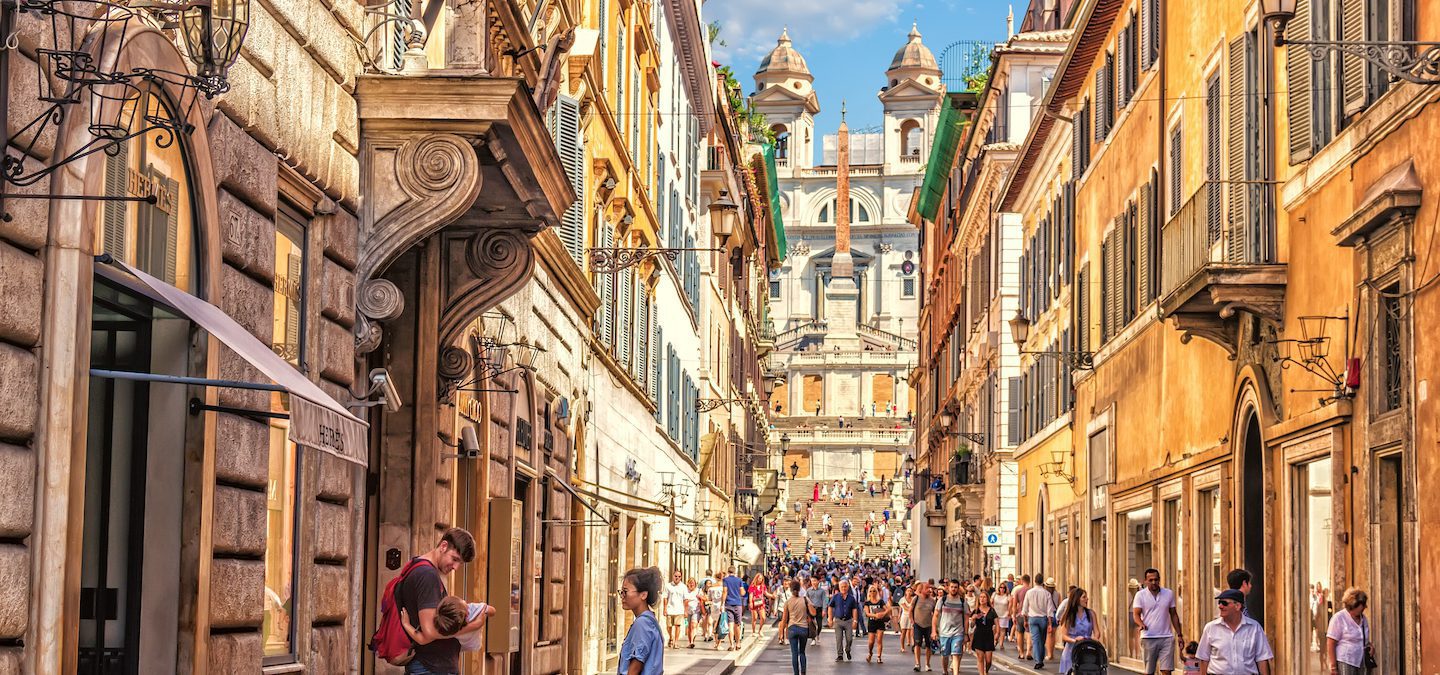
{"x":1218,"y":258}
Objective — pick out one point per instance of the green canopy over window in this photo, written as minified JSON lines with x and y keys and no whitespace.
{"x":942,"y":158}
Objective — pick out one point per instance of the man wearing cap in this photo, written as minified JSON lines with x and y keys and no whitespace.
{"x":1234,"y":644}
{"x":1153,"y":612}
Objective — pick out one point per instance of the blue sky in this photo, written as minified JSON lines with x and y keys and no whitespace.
{"x":847,"y":43}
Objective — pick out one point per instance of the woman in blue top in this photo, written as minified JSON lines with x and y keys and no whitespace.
{"x":1076,"y":624}
{"x":643,"y":652}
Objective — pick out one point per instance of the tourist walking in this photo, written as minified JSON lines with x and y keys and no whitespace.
{"x":877,"y":615}
{"x":818,"y":600}
{"x":1347,"y":640}
{"x":795,"y":627}
{"x":1234,"y":644}
{"x":1153,"y":612}
{"x":694,"y":610}
{"x":735,"y":595}
{"x":1022,"y":626}
{"x":674,"y":608}
{"x":923,"y":638}
{"x":760,"y":596}
{"x":844,"y":613}
{"x":1002,"y":601}
{"x":907,"y":618}
{"x":1077,"y":623}
{"x":1039,"y":612}
{"x":643,"y":652}
{"x":951,"y":615}
{"x":983,"y":621}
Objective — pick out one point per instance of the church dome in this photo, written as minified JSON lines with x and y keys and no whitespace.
{"x":783,"y":59}
{"x":914,"y":56}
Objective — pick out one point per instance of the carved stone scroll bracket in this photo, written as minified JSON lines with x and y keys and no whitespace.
{"x":377,"y":300}
{"x":418,"y":184}
{"x":481,"y":268}
{"x":456,"y":364}
{"x":1208,"y":326}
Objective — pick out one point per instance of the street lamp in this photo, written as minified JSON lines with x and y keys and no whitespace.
{"x":724,"y":213}
{"x":784,"y":443}
{"x":1417,"y":62}
{"x":1020,"y":333}
{"x":909,"y":464}
{"x":794,"y":470}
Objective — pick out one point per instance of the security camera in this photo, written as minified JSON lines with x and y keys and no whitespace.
{"x":381,"y":383}
{"x":469,"y":443}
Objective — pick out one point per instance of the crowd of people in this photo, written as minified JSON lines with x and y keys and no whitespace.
{"x":865,"y":601}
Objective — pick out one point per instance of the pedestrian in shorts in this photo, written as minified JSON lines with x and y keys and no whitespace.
{"x":1153,"y":612}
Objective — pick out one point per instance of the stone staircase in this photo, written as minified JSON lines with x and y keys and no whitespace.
{"x":860,"y":507}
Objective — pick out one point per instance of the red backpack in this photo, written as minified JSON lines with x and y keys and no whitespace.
{"x":390,"y":641}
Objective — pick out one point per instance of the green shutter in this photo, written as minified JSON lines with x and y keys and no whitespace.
{"x":948,"y":134}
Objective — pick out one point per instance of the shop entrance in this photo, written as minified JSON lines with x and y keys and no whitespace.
{"x":129,"y":572}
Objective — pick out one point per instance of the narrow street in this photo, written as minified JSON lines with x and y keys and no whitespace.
{"x":775,"y":660}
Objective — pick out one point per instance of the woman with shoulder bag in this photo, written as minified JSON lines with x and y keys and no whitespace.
{"x":795,"y":619}
{"x":1347,"y":642}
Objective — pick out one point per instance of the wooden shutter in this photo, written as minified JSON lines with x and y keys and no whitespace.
{"x":1109,"y":93}
{"x":607,"y":287}
{"x":1177,"y":167}
{"x":117,"y":167}
{"x":565,"y":128}
{"x":1213,"y":160}
{"x":1083,"y":315}
{"x":1077,"y":144}
{"x":1105,"y":274}
{"x":1144,"y":244}
{"x":1012,"y":401}
{"x":1100,"y":95}
{"x":642,"y":338}
{"x":1148,"y":15}
{"x":1237,"y":190}
{"x":1122,"y":81}
{"x":1354,"y":72}
{"x":1299,"y":70}
{"x":1131,"y":257}
{"x":624,"y":349}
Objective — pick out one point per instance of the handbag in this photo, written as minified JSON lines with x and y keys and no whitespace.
{"x":1370,"y":663}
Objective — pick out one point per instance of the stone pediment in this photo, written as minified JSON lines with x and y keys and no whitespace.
{"x":909,"y":90}
{"x":780,"y":95}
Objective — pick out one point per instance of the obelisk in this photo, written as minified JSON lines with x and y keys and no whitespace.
{"x":842,"y":296}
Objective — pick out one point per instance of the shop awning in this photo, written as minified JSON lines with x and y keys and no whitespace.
{"x":565,"y":485}
{"x":942,"y":158}
{"x":623,"y":500}
{"x":316,"y":420}
{"x":772,"y":190}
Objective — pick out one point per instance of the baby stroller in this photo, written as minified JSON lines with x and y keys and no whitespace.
{"x":1089,"y":658}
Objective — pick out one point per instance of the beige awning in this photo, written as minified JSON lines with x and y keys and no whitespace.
{"x":316,"y":420}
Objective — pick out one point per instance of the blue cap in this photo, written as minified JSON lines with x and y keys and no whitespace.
{"x":1231,"y":595}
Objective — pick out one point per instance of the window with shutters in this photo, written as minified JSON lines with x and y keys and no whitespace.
{"x":1107,"y":284}
{"x":156,"y":238}
{"x":289,"y":285}
{"x":1102,"y":93}
{"x":642,"y":339}
{"x":1110,"y":106}
{"x":602,"y":18}
{"x":1149,"y":34}
{"x":1080,"y":142}
{"x":625,"y":320}
{"x":605,"y":285}
{"x":622,"y":73}
{"x":1131,"y":294}
{"x":1122,"y":76}
{"x":1083,"y":315}
{"x":1214,"y":116}
{"x":564,"y":121}
{"x":1177,"y":168}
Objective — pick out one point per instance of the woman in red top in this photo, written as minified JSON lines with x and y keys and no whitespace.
{"x":760,"y":598}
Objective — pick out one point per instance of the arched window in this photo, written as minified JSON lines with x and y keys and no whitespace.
{"x":858,"y":212}
{"x":910,"y":138}
{"x":782,"y":141}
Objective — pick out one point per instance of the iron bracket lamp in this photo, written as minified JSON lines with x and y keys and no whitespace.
{"x":121,"y":103}
{"x":1314,"y":347}
{"x":612,"y":260}
{"x":1020,"y":332}
{"x":1409,"y":60}
{"x":708,"y":404}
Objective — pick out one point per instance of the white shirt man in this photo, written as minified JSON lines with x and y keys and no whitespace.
{"x":1234,"y":644}
{"x":1154,"y":612}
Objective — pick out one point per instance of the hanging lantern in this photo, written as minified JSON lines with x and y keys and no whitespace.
{"x":213,"y":32}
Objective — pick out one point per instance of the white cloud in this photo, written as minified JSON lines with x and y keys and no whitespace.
{"x":749,"y":27}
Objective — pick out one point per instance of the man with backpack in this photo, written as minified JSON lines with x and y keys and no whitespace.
{"x":418,"y":592}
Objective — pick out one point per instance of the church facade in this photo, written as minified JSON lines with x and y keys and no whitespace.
{"x":845,"y":300}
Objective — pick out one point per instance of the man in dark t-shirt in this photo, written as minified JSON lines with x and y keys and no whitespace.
{"x":420,"y":594}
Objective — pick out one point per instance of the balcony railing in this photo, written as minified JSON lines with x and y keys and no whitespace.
{"x":712,"y":159}
{"x":849,"y":358}
{"x":877,"y":332}
{"x":802,"y":330}
{"x":909,"y":159}
{"x":878,"y":438}
{"x":1221,"y":224}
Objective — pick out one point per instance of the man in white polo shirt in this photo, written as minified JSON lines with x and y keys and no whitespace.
{"x":1153,"y":612}
{"x":1234,"y":644}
